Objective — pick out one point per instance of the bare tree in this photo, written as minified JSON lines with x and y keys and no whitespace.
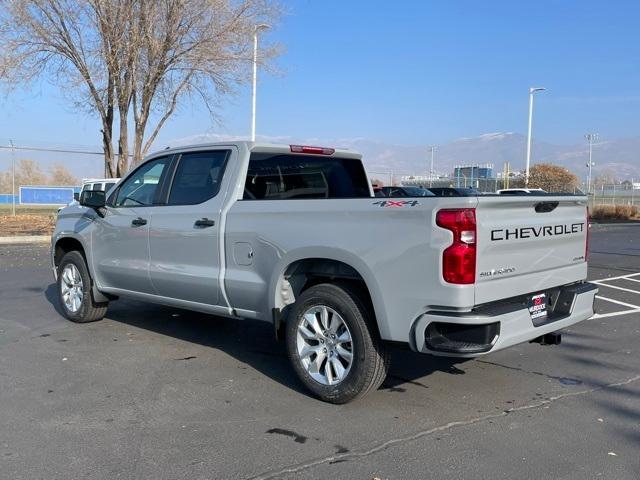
{"x":5,"y":182}
{"x":28,"y":172}
{"x":606,"y":177}
{"x":56,"y":39}
{"x":137,"y":58}
{"x":59,"y":175}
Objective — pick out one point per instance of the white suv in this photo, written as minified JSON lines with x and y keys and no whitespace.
{"x":103,"y":184}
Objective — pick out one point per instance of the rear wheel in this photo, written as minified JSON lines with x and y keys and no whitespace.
{"x":333,"y":345}
{"x":74,"y":290}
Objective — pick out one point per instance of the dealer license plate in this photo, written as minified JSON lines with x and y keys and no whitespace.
{"x":538,"y":306}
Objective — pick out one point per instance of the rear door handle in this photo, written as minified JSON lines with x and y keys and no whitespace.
{"x":204,"y":223}
{"x":138,"y":222}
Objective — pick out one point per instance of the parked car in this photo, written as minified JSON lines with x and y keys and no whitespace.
{"x":520,"y":191}
{"x":406,"y":192}
{"x":293,"y":236}
{"x":104,"y":184}
{"x":454,"y":191}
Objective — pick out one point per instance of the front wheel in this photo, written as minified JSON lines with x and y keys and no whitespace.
{"x":74,"y":290}
{"x":333,"y":345}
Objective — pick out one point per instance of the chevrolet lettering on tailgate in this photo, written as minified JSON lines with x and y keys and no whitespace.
{"x":535,"y":232}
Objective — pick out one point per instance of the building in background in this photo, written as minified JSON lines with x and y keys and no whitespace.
{"x":468,"y":175}
{"x":424,"y":180}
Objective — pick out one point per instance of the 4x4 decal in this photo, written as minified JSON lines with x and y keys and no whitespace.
{"x":396,"y":203}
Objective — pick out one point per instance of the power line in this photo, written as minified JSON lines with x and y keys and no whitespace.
{"x":52,"y":150}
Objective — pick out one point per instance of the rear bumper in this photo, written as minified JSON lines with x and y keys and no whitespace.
{"x":494,"y":327}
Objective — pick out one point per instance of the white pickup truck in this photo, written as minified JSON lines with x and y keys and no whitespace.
{"x":292,"y":235}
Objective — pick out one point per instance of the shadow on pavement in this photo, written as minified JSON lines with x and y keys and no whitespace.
{"x":253,"y":342}
{"x":51,"y":294}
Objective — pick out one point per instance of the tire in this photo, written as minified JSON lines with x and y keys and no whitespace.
{"x":78,"y":306}
{"x":369,"y":357}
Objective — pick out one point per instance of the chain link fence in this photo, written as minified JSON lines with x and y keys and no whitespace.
{"x":484,"y":185}
{"x":613,"y":194}
{"x":608,"y":194}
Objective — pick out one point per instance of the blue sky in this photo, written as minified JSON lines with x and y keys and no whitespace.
{"x":412,"y":72}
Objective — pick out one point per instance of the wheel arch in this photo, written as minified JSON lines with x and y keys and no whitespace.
{"x":304,"y":268}
{"x":64,"y":244}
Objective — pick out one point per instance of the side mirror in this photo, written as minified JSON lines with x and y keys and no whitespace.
{"x":76,"y":196}
{"x":92,"y":199}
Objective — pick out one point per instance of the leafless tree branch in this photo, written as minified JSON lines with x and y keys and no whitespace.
{"x":138,"y":58}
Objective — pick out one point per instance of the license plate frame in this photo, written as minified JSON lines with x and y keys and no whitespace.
{"x":537,"y":306}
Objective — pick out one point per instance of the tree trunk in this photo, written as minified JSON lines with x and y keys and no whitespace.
{"x":107,"y":132}
{"x":107,"y":147}
{"x":123,"y":144}
{"x":138,"y":144}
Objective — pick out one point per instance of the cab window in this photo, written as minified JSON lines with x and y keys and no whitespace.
{"x":289,"y":177}
{"x":142,"y":187}
{"x":198,"y":177}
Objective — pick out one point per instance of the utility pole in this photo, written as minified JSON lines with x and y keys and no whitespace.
{"x":590,"y":137}
{"x":433,"y":149}
{"x":505,"y":179}
{"x":13,"y":179}
{"x":532,"y":91}
{"x":256,"y":29}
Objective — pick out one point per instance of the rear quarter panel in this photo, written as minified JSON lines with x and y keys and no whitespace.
{"x":396,"y":249}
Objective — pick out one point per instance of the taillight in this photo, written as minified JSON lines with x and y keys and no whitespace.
{"x":459,"y":259}
{"x":586,"y":243}
{"x":313,"y":150}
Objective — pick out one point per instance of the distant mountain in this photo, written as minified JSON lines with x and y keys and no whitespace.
{"x":619,"y":157}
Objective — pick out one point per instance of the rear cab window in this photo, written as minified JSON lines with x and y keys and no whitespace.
{"x":294,"y":177}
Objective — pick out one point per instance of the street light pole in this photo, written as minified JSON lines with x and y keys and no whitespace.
{"x":532,"y":90}
{"x":590,"y":137}
{"x":256,"y":29}
{"x":433,"y":149}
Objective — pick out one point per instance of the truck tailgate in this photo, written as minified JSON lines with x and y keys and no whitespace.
{"x":527,"y":244}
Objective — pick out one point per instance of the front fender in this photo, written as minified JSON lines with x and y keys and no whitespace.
{"x":75,"y":223}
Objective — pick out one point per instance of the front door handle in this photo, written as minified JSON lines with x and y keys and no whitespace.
{"x":204,"y":223}
{"x":138,"y":222}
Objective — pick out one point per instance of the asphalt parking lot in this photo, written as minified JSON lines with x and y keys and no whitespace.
{"x":154,"y":392}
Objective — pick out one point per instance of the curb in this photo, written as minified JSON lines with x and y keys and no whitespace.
{"x":22,"y":239}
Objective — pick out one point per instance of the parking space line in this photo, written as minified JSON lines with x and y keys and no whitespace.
{"x":616,"y":287}
{"x":618,"y":302}
{"x":614,"y":314}
{"x":616,"y":278}
{"x":631,"y":279}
